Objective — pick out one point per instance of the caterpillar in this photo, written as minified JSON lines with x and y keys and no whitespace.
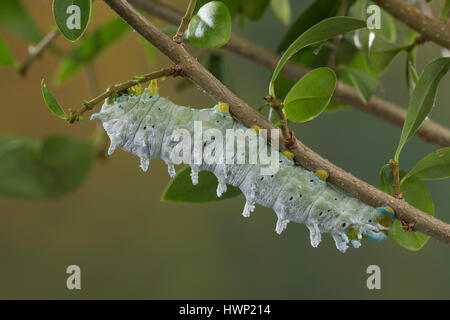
{"x":142,"y":123}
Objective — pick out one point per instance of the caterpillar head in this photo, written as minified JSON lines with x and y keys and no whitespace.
{"x":386,"y":216}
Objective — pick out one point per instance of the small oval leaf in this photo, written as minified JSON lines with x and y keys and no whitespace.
{"x":211,"y":26}
{"x":310,"y":95}
{"x":434,"y":166}
{"x":417,"y":195}
{"x":51,"y":102}
{"x":180,"y":188}
{"x":45,"y":169}
{"x":322,"y":31}
{"x":422,"y":99}
{"x":72,"y":17}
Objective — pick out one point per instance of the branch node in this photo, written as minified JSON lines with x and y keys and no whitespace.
{"x":409,"y":227}
{"x":178,"y":38}
{"x":176,"y":71}
{"x":291,"y":141}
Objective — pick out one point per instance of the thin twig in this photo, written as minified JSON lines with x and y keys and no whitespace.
{"x":178,"y":38}
{"x":430,"y":131}
{"x":193,"y":70}
{"x":289,"y":140}
{"x":37,"y":51}
{"x":275,"y":105}
{"x":89,"y":105}
{"x":431,"y":29}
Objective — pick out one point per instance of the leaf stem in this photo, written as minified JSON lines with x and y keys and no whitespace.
{"x":396,"y":183}
{"x":289,"y":140}
{"x":173,"y":70}
{"x":178,"y":38}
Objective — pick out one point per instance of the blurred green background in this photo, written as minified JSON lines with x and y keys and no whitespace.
{"x":130,"y":245}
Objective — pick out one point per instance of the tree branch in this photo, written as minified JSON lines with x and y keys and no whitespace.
{"x":430,"y":131}
{"x":178,"y":38}
{"x":432,"y":29}
{"x":193,"y":70}
{"x":37,"y":51}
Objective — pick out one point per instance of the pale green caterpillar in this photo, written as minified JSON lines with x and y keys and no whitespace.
{"x":142,"y":123}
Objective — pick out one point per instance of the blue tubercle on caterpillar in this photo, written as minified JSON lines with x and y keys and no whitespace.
{"x":143,"y":123}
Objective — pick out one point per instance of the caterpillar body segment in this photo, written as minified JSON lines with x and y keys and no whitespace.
{"x":147,"y":126}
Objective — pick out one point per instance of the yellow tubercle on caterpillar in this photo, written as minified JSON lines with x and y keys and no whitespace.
{"x":256,"y":128}
{"x":389,"y":209}
{"x":288,"y":155}
{"x":137,"y":89}
{"x":223,"y":107}
{"x":322,"y":174}
{"x":154,"y":86}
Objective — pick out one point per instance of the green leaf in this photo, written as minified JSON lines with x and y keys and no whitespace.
{"x":384,"y":183}
{"x":90,"y":47}
{"x":6,"y":58}
{"x":180,"y":188}
{"x":282,"y":10}
{"x":324,"y":30}
{"x":72,"y":17}
{"x":417,"y":195}
{"x":43,"y":170}
{"x":310,"y":95}
{"x":382,"y":53}
{"x":15,"y":18}
{"x":211,"y":26}
{"x":51,"y":102}
{"x":319,"y":10}
{"x":435,"y":165}
{"x":422,"y":99}
{"x":254,"y":9}
{"x":411,"y":73}
{"x":363,"y":82}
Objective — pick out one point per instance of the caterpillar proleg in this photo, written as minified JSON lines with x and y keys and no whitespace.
{"x":145,"y":125}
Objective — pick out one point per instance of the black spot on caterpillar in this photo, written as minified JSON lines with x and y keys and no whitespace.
{"x":142,"y":124}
